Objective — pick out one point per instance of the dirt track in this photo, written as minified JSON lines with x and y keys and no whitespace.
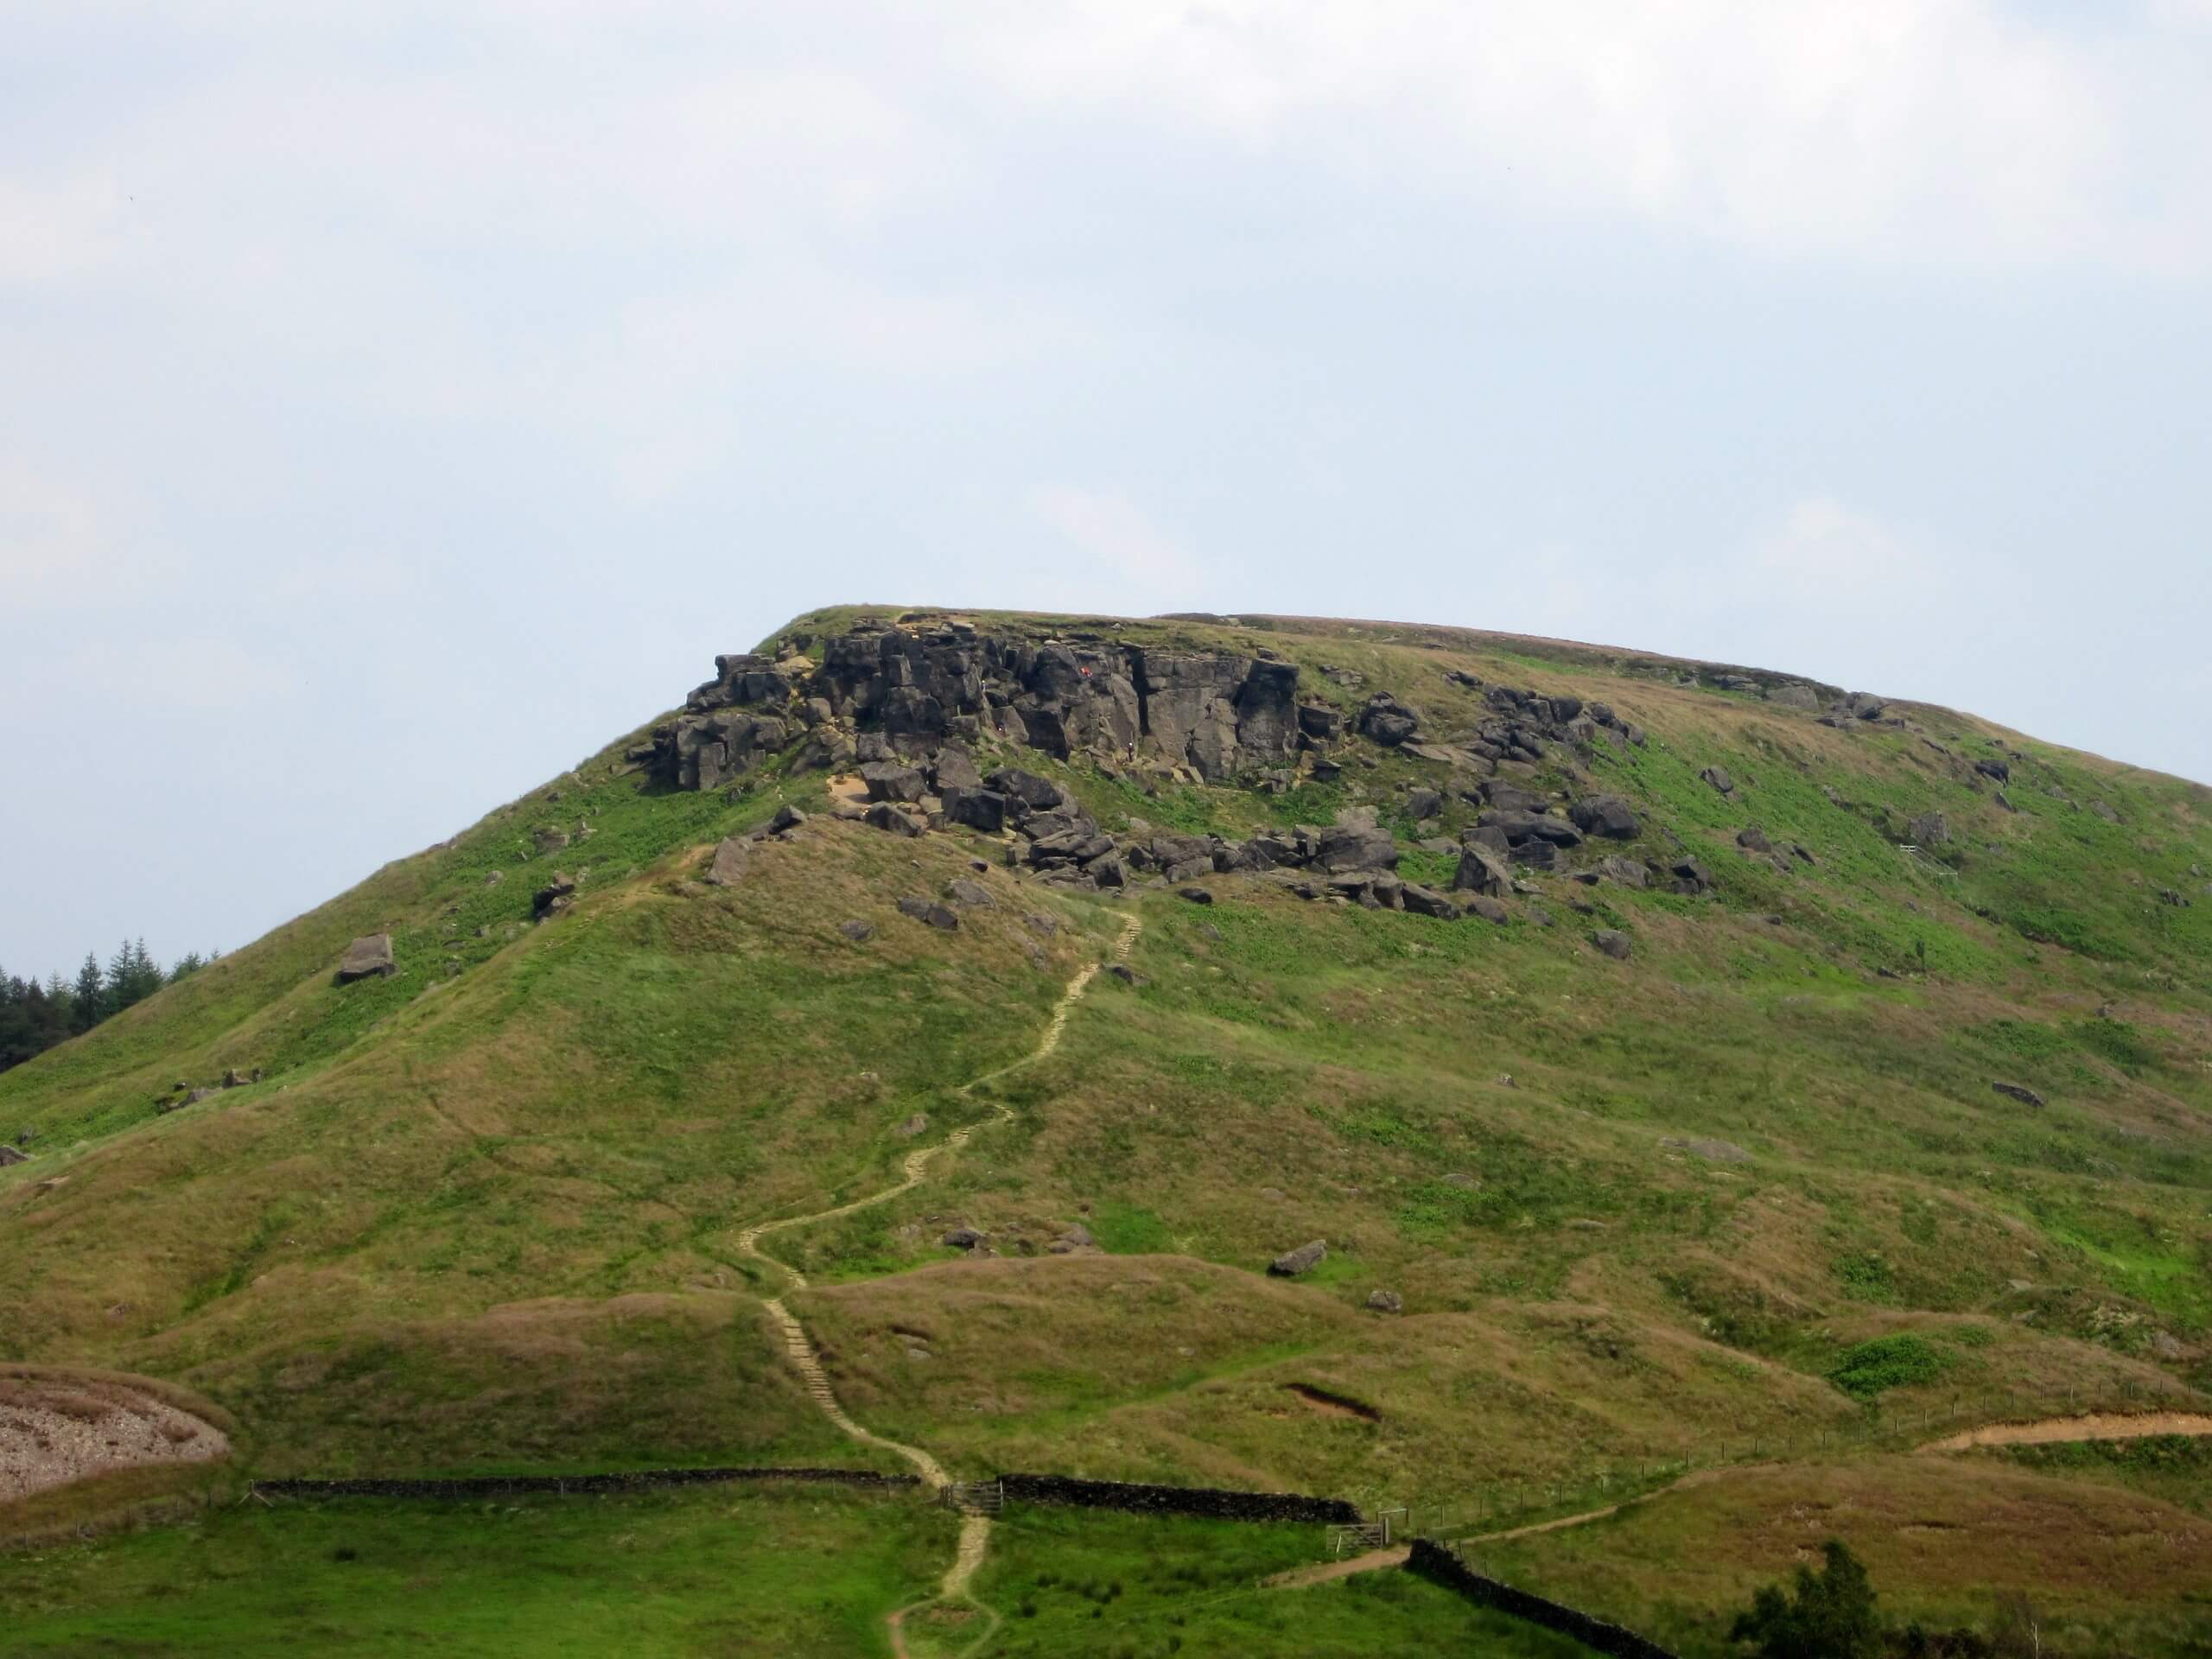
{"x":799,"y":1347}
{"x":2093,"y":1426}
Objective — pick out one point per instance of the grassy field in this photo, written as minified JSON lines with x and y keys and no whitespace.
{"x":691,"y":1572}
{"x":1751,"y":1192}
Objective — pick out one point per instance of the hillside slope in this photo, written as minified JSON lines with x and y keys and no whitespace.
{"x":1750,"y":1181}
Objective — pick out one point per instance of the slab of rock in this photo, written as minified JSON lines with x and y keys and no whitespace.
{"x":1195,"y":895}
{"x":1034,"y":794}
{"x":889,"y":781}
{"x":973,"y":894}
{"x":1077,"y":1239}
{"x":1423,"y":901}
{"x":554,"y":897}
{"x":787,"y":819}
{"x":1628,"y":872}
{"x":370,"y":953}
{"x":1490,"y":909}
{"x":1719,"y":1151}
{"x":1612,"y":942}
{"x":1718,"y":778}
{"x":965,"y":1238}
{"x":1752,"y":839}
{"x":1423,"y":803}
{"x":1304,"y":1259}
{"x":924,"y":910}
{"x":1691,"y":877}
{"x":1929,"y":829}
{"x":731,"y":856}
{"x":1386,"y":1301}
{"x":1482,"y":871}
{"x":857,"y":931}
{"x":10,"y":1155}
{"x":2025,"y":1095}
{"x":979,"y":808}
{"x":883,"y":815}
{"x":1605,"y":815}
{"x":1794,"y":696}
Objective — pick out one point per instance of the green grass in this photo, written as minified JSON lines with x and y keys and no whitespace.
{"x":800,"y":1571}
{"x":1176,"y":1587}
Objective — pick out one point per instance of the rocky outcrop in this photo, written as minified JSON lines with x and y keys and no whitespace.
{"x":886,"y":695}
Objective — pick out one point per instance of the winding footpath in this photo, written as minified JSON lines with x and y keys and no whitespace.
{"x":799,"y":1347}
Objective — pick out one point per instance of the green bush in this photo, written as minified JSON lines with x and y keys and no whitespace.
{"x":1871,"y":1368}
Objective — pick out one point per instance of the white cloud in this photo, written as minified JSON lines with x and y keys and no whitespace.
{"x":51,"y":549}
{"x":1148,"y":567}
{"x":57,"y":228}
{"x":1885,"y":128}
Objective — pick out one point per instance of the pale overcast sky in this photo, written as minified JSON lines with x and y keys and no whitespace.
{"x":397,"y":401}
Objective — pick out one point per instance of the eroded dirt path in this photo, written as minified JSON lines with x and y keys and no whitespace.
{"x":799,"y":1347}
{"x":2090,"y":1426}
{"x":1376,"y":1561}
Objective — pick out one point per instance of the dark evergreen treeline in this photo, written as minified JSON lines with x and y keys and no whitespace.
{"x":33,"y":1017}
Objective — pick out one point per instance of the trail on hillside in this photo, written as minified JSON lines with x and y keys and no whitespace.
{"x":799,"y":1347}
{"x":2091,"y":1426}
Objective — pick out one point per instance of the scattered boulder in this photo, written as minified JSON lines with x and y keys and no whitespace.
{"x":1718,"y":778}
{"x":726,"y":868}
{"x":1481,"y":871}
{"x":1929,"y":829}
{"x":889,"y":781}
{"x":924,"y":910}
{"x":978,"y":809}
{"x":1387,"y":722}
{"x":1127,"y":975}
{"x":1352,"y":847}
{"x":857,"y":931}
{"x":2104,"y":810}
{"x":2025,"y":1095}
{"x":787,"y":819}
{"x":1752,"y":839}
{"x":965,"y":1238}
{"x":883,"y":815}
{"x":1691,"y":878}
{"x":1424,"y":901}
{"x":1605,"y":815}
{"x":1718,"y":1152}
{"x":1796,"y":695}
{"x":1989,"y":767}
{"x":1628,"y":872}
{"x":1076,"y":1241}
{"x":973,"y":894}
{"x":10,"y":1155}
{"x":913,"y":1125}
{"x":1386,"y":1301}
{"x":1611,"y":941}
{"x":1304,"y":1259}
{"x":371,"y":954}
{"x":554,"y":897}
{"x":1423,"y":803}
{"x":1195,"y":895}
{"x":1490,"y":909}
{"x":1035,"y":794}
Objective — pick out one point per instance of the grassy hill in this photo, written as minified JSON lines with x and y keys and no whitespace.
{"x":1750,"y":1192}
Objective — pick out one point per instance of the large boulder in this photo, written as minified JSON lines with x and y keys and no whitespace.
{"x":889,"y":781}
{"x":883,"y":815}
{"x":1346,"y":847}
{"x":979,"y":808}
{"x":1718,"y":778}
{"x":1035,"y":794}
{"x":1387,"y":722}
{"x":1629,"y":872}
{"x":1482,"y":871}
{"x":1929,"y":829}
{"x":1612,"y":942}
{"x":731,"y":855}
{"x":1604,"y":815}
{"x":1424,"y":901}
{"x":371,"y":954}
{"x":929,"y":911}
{"x":1304,"y":1259}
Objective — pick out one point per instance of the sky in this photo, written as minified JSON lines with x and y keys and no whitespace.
{"x":398,"y":401}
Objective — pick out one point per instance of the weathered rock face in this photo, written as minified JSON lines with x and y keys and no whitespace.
{"x":1929,"y":829}
{"x":371,"y":954}
{"x":908,"y":693}
{"x":1605,"y":815}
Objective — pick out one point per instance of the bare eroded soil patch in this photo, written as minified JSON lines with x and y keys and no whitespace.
{"x":57,"y":1428}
